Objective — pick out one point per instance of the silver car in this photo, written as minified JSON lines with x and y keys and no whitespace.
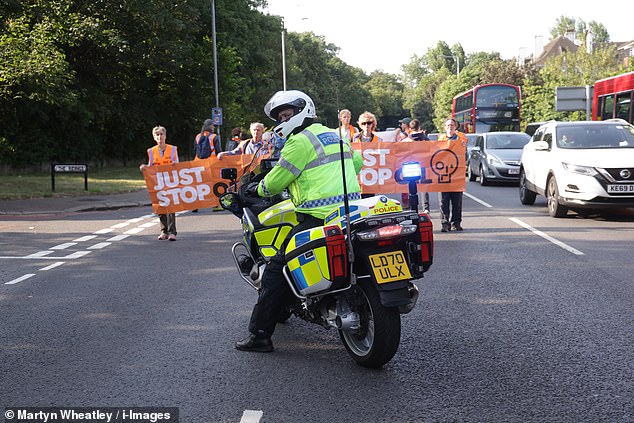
{"x":496,"y":157}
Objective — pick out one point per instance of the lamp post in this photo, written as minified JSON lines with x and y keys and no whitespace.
{"x":283,"y":57}
{"x":213,"y":34}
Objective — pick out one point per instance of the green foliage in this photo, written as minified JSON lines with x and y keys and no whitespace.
{"x":87,"y":81}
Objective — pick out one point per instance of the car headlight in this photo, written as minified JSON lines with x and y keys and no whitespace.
{"x":494,"y":161}
{"x":581,"y":170}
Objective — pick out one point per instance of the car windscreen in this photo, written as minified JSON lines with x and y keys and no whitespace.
{"x":507,"y":141}
{"x":595,"y":136}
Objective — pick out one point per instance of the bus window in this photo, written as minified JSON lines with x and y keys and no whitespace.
{"x":608,"y":107}
{"x":624,"y":106}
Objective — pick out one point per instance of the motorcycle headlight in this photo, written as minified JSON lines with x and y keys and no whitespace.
{"x":581,"y":170}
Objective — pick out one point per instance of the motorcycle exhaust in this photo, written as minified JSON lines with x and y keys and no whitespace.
{"x":413,"y":292}
{"x":348,"y":321}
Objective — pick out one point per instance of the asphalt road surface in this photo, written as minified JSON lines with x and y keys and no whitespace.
{"x":522,"y":318}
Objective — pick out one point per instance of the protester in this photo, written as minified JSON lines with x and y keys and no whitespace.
{"x":403,"y":130}
{"x":163,"y":154}
{"x":453,"y":199}
{"x":346,"y":130}
{"x":310,"y":167}
{"x":206,"y":142}
{"x":235,"y":140}
{"x":255,"y":145}
{"x":416,"y":134}
{"x":367,"y":123}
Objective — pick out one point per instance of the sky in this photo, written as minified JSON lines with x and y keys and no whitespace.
{"x":384,"y":35}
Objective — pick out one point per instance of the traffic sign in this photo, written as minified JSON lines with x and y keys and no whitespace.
{"x":216,"y":116}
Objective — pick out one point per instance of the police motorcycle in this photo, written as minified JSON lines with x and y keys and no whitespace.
{"x":354,"y":274}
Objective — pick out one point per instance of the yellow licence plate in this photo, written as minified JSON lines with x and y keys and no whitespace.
{"x":389,"y":267}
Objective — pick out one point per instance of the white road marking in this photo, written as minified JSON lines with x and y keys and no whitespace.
{"x":148,"y":225}
{"x":133,"y":231}
{"x":103,"y":231}
{"x":546,"y":237}
{"x":117,"y":237}
{"x":39,"y":254}
{"x":76,"y":254}
{"x":120,"y":225}
{"x":99,"y":246}
{"x":251,"y":416}
{"x":53,"y":266}
{"x":135,"y":220}
{"x":477,"y":200}
{"x":85,"y":238}
{"x":63,"y":246}
{"x":20,"y":279}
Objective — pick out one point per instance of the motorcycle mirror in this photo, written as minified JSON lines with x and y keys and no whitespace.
{"x":230,"y":173}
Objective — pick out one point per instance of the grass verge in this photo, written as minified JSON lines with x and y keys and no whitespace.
{"x":100,"y":181}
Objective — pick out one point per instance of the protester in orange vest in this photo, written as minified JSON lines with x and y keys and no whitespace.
{"x":346,"y":130}
{"x":163,"y":154}
{"x":206,"y":142}
{"x":367,"y":123}
{"x":453,"y":222}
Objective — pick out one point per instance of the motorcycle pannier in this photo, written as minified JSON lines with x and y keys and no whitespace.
{"x":317,"y":259}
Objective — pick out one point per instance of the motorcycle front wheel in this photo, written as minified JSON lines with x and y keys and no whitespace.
{"x":377,"y":339}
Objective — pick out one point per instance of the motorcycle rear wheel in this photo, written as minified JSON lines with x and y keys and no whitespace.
{"x":376,"y":342}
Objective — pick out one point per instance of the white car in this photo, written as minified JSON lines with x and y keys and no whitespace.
{"x":579,"y":165}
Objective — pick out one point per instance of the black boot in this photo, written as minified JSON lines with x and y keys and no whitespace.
{"x":253,"y":343}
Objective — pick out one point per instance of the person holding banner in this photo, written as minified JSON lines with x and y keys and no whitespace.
{"x":367,"y":123}
{"x":310,"y":167}
{"x":453,"y":221}
{"x":163,"y":154}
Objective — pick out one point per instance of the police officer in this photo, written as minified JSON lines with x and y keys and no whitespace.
{"x":310,"y":167}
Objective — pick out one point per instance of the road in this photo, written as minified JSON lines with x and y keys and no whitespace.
{"x":522,"y":318}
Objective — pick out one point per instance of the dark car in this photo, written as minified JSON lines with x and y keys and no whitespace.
{"x":496,"y":156}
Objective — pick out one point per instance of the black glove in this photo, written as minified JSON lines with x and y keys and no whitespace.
{"x":252,"y":190}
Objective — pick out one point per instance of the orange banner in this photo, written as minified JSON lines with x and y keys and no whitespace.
{"x":197,"y":184}
{"x":442,"y":162}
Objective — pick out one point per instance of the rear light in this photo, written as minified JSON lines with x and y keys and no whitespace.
{"x":425,"y":228}
{"x":337,"y":254}
{"x":386,"y":232}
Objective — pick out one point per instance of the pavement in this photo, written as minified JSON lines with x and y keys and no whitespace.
{"x":71,"y":204}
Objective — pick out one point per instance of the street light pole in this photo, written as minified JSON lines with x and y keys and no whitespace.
{"x":213,"y":34}
{"x":283,"y":57}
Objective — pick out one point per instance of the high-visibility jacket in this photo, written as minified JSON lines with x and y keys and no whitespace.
{"x":204,"y":145}
{"x":357,"y":137}
{"x":169,"y":156}
{"x":310,"y":167}
{"x":348,"y":131}
{"x":457,"y":136}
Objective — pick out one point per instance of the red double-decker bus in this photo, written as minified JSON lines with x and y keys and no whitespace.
{"x":613,"y":98}
{"x":488,"y":108}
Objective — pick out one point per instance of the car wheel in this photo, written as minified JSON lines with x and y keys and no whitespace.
{"x":527,"y":197}
{"x":470,"y":174}
{"x":483,"y":179}
{"x":555,"y":209}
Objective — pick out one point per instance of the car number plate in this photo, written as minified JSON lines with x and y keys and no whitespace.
{"x":621,"y":188}
{"x":389,"y":267}
{"x":514,"y":171}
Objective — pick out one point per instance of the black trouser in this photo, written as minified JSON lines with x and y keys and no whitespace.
{"x":455,"y":198}
{"x":275,"y":295}
{"x":168,"y":223}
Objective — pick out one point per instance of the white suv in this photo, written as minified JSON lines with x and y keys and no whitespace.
{"x":579,"y":165}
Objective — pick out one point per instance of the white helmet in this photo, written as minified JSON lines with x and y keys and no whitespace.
{"x":297,"y":100}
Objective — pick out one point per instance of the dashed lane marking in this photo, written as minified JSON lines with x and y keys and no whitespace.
{"x":20,"y":279}
{"x":547,"y":237}
{"x":53,"y":266}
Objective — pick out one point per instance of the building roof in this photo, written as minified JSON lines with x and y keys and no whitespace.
{"x":555,"y":47}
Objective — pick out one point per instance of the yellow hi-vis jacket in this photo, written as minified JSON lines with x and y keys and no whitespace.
{"x":310,"y":167}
